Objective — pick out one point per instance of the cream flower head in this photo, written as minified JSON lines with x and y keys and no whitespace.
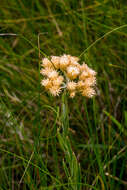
{"x":52,"y":74}
{"x":58,"y":81}
{"x":46,"y":63}
{"x":64,"y":62}
{"x":71,"y":86}
{"x":55,"y":90}
{"x":46,"y":83}
{"x":64,"y":72}
{"x":46,"y":71}
{"x":56,"y":61}
{"x":72,"y":72}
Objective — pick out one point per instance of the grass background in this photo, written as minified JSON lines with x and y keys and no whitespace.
{"x":33,"y":153}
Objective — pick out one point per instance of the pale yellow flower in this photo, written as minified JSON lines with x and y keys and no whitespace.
{"x":73,"y":59}
{"x":75,"y":64}
{"x":46,"y":83}
{"x":58,"y":81}
{"x":83,"y":75}
{"x":91,"y":81}
{"x":71,"y":86}
{"x":88,"y":92}
{"x":46,"y":71}
{"x":56,"y":61}
{"x":80,"y":84}
{"x":53,"y":74}
{"x":55,"y":90}
{"x":46,"y":63}
{"x":64,"y":62}
{"x":72,"y":72}
{"x":84,"y":67}
{"x":91,"y":72}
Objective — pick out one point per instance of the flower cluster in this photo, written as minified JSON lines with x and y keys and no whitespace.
{"x":64,"y":71}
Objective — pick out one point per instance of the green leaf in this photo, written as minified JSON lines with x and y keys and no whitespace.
{"x":121,"y":128}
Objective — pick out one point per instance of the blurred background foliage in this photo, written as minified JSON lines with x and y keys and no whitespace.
{"x":29,"y":116}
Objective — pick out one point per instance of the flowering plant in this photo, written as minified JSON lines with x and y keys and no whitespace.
{"x":65,"y":72}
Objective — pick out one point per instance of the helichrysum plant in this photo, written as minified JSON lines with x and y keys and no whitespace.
{"x":65,"y":72}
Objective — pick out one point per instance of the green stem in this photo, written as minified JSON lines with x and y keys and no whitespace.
{"x":64,"y":116}
{"x":70,"y":163}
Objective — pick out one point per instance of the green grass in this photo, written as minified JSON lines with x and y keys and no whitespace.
{"x":49,"y":143}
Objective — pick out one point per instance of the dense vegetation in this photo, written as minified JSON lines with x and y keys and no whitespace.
{"x":34,"y":152}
